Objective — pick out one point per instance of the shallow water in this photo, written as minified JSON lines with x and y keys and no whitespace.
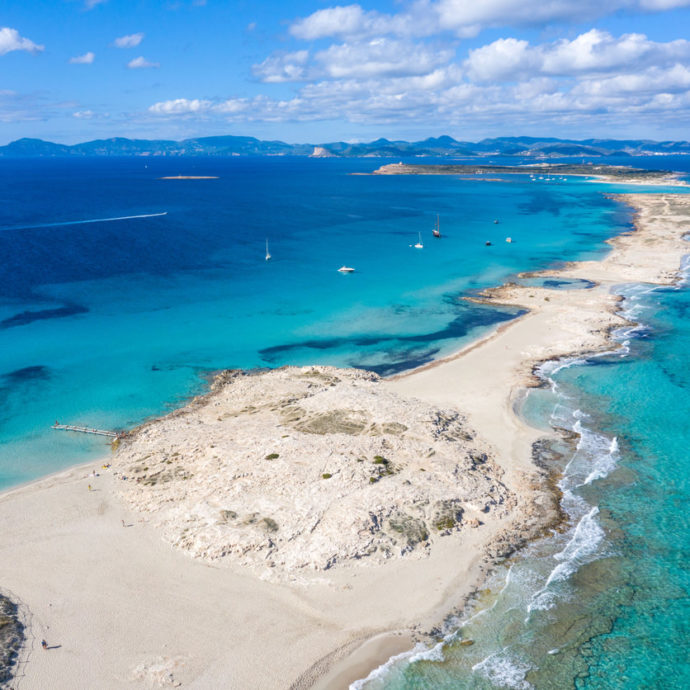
{"x":604,"y":604}
{"x":107,"y":322}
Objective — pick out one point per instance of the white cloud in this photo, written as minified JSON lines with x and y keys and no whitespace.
{"x":353,"y":21}
{"x":333,"y":21}
{"x":84,"y":114}
{"x":462,"y":17}
{"x":501,"y":60}
{"x":470,"y":17}
{"x":180,"y":106}
{"x":90,"y":4}
{"x":141,"y":63}
{"x":11,"y":40}
{"x":282,"y":67}
{"x":638,"y":85}
{"x":380,"y":57}
{"x":128,"y":41}
{"x":589,"y":53}
{"x":85,"y":59}
{"x":383,"y":68}
{"x":660,"y":5}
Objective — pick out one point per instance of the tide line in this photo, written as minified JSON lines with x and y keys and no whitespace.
{"x":84,"y":222}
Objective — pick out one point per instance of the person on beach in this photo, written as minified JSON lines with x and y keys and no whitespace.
{"x":90,"y":489}
{"x":44,"y":644}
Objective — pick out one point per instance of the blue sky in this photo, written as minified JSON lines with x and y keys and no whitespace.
{"x":313,"y":71}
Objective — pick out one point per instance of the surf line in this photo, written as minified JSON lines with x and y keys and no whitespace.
{"x":84,"y":222}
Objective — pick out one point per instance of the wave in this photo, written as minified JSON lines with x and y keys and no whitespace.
{"x":503,"y":671}
{"x":582,"y":548}
{"x":84,"y":222}
{"x":595,"y":456}
{"x":382,"y":671}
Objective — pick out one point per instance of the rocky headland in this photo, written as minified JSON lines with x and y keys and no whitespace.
{"x":310,"y":468}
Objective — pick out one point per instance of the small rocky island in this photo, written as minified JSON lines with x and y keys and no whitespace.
{"x":309,"y":468}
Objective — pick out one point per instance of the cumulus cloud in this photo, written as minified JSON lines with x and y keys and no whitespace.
{"x":11,"y":40}
{"x":85,"y":59}
{"x":128,"y":41}
{"x":378,"y":57}
{"x":384,"y":67}
{"x":353,"y":21}
{"x":333,"y":21}
{"x":141,"y":63}
{"x":282,"y":67}
{"x":589,"y":53}
{"x":462,"y":17}
{"x":180,"y":106}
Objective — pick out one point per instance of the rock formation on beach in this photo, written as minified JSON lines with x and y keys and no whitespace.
{"x":11,"y":638}
{"x":309,"y":468}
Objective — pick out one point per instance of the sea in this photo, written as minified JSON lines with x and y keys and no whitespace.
{"x":121,"y":294}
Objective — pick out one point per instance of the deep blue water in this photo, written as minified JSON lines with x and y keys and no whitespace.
{"x":106,"y":323}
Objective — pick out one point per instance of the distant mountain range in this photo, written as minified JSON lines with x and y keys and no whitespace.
{"x":434,"y":146}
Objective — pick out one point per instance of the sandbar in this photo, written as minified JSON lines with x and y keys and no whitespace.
{"x":107,"y":576}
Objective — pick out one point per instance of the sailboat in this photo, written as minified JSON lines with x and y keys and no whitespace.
{"x":419,"y":244}
{"x":436,"y":231}
{"x":268,"y":254}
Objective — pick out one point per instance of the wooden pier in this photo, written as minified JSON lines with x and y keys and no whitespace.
{"x":87,"y":430}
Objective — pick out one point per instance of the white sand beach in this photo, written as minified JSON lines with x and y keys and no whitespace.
{"x":136,"y":584}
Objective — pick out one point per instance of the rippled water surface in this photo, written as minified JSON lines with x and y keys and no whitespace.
{"x":110,"y":313}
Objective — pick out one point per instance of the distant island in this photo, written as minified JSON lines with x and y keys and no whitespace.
{"x":538,"y":148}
{"x":622,"y":173}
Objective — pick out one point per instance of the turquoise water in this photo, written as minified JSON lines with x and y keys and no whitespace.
{"x":605,"y":604}
{"x":107,"y":323}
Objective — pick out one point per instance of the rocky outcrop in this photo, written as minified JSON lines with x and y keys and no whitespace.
{"x":11,"y":638}
{"x":309,"y":468}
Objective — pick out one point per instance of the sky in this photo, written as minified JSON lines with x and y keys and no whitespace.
{"x":312,"y":71}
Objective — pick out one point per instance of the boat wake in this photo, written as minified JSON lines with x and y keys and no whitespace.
{"x":84,"y":222}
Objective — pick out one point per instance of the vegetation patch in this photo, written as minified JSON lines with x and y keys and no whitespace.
{"x":448,"y":515}
{"x":272,"y":456}
{"x":269,"y":524}
{"x":326,"y":475}
{"x":412,"y":530}
{"x":351,"y":422}
{"x":384,"y":467}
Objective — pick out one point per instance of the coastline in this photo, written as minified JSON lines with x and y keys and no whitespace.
{"x":568,"y":322}
{"x":597,"y":173}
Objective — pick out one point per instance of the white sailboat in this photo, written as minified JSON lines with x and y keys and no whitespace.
{"x":268,"y":254}
{"x":419,"y":244}
{"x":437,"y":230}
